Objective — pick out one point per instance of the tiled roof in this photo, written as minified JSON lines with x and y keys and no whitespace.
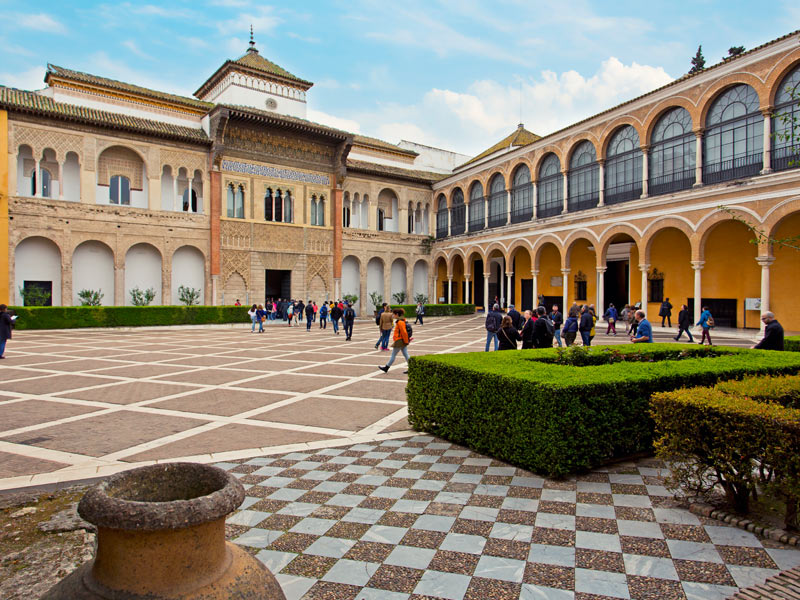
{"x":253,"y":60}
{"x":398,"y":172}
{"x":33,"y":103}
{"x":287,"y":120}
{"x":61,"y":72}
{"x":363,"y":140}
{"x":519,"y":137}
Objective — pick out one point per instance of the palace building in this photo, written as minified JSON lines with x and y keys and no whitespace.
{"x":111,"y":186}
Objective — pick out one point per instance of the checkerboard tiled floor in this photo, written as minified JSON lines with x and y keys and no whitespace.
{"x":421,"y":518}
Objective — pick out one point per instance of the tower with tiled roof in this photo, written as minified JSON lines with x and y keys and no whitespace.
{"x":253,"y":81}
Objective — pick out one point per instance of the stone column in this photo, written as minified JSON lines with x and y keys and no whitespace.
{"x":535,"y":275}
{"x":533,"y":199}
{"x":362,"y":289}
{"x":60,"y":181}
{"x":602,"y":182}
{"x":698,"y":169}
{"x":38,"y":177}
{"x":66,"y":285}
{"x":372,"y":216}
{"x":697,"y":265}
{"x":468,"y":289}
{"x":166,"y":286}
{"x":337,"y":241}
{"x":765,"y":262}
{"x":402,"y":225}
{"x":509,"y":287}
{"x":767,"y":151}
{"x":601,"y":291}
{"x":486,"y":277}
{"x":566,"y":193}
{"x":450,"y":290}
{"x":214,"y":283}
{"x":564,"y":291}
{"x":645,"y":170}
{"x":644,"y":269}
{"x":508,"y":207}
{"x":119,"y":286}
{"x":409,"y":284}
{"x":215,"y":195}
{"x":435,"y":289}
{"x":175,"y":191}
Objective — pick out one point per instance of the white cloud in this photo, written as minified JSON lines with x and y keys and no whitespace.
{"x":308,"y":39}
{"x":263,"y":20}
{"x":134,"y":48}
{"x":31,"y":79}
{"x":38,"y":22}
{"x":332,"y":121}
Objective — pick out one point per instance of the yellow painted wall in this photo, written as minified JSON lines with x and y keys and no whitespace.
{"x":4,"y":264}
{"x":549,"y":266}
{"x":785,"y":276}
{"x":522,"y":270}
{"x":671,"y":253}
{"x":731,"y":270}
{"x":582,"y":259}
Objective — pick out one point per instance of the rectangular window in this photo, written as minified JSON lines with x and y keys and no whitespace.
{"x":580,"y":290}
{"x":656,"y":290}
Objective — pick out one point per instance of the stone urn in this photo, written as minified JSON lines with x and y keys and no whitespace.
{"x":161,"y":535}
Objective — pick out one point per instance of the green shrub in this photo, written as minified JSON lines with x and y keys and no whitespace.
{"x":717,"y":437}
{"x":142,"y":297}
{"x":558,"y":419}
{"x":783,"y":390}
{"x":439,"y":310}
{"x":792,"y":343}
{"x":68,"y":317}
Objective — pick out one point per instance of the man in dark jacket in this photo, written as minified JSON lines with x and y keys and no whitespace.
{"x":542,"y":336}
{"x":348,"y":319}
{"x":684,"y":323}
{"x":665,"y":312}
{"x":336,"y":314}
{"x":309,"y":315}
{"x":773,"y":333}
{"x":585,"y":325}
{"x":493,"y":322}
{"x":5,"y":328}
{"x":558,"y":319}
{"x":515,"y":317}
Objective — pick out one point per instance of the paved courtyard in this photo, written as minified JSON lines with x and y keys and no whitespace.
{"x":343,"y":501}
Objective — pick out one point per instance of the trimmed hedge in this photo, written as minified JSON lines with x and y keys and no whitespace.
{"x":783,"y":390}
{"x":792,"y":343}
{"x":721,"y":437}
{"x":438,"y":310}
{"x":68,"y":317}
{"x":558,"y":419}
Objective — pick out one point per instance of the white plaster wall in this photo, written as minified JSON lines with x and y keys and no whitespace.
{"x":142,"y":269}
{"x":138,"y":197}
{"x":71,"y":172}
{"x":188,"y":269}
{"x":243,"y":96}
{"x":374,"y":281}
{"x":167,"y":191}
{"x":37,"y":259}
{"x":398,"y":279}
{"x":363,"y":222}
{"x":420,"y":279}
{"x":351,"y":279}
{"x":93,"y":269}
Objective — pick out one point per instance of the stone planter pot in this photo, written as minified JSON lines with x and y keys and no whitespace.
{"x":161,"y":535}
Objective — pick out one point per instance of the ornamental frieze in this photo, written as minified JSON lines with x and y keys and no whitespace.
{"x":275,"y":144}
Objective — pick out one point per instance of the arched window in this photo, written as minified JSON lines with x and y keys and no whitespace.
{"x":321,"y":211}
{"x":583,"y":181}
{"x":498,"y":207}
{"x":521,"y":195}
{"x":786,"y":123}
{"x":381,"y":217}
{"x":550,"y":188}
{"x":477,"y":207}
{"x":673,"y":153}
{"x":239,"y":202}
{"x":313,"y":210}
{"x":410,"y":216}
{"x":189,"y":205}
{"x":733,"y":143}
{"x":231,"y":201}
{"x":278,"y":204}
{"x":441,"y":217}
{"x":119,"y":191}
{"x":623,"y":175}
{"x":458,"y":213}
{"x":47,"y":184}
{"x":346,"y":210}
{"x":268,"y":199}
{"x":288,"y":207}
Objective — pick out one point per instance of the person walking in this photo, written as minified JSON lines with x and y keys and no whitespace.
{"x":420,"y":311}
{"x":515,"y":317}
{"x":558,"y":320}
{"x":336,"y":314}
{"x":593,"y":330}
{"x":632,"y":323}
{"x":494,"y":321}
{"x":665,"y":312}
{"x":299,"y":311}
{"x":585,"y":326}
{"x":400,"y":339}
{"x":252,"y":314}
{"x":6,"y":323}
{"x":684,"y":323}
{"x":706,"y":322}
{"x":570,"y":330}
{"x":237,"y":303}
{"x":347,"y":320}
{"x":289,"y":312}
{"x":323,"y":316}
{"x":543,"y":330}
{"x":611,"y":318}
{"x":508,"y":334}
{"x":527,"y":330}
{"x":261,"y":316}
{"x":309,"y":315}
{"x":644,"y":329}
{"x":773,"y":334}
{"x":385,"y":324}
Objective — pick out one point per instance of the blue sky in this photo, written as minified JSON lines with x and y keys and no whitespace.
{"x":449,"y":73}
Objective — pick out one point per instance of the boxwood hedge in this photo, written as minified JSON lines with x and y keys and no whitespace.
{"x":555,"y":419}
{"x":68,"y":317}
{"x":792,"y":343}
{"x":438,"y":310}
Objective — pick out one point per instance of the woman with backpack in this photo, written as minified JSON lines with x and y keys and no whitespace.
{"x":611,"y":318}
{"x":706,"y":322}
{"x":570,"y":330}
{"x":252,"y":314}
{"x":401,"y":339}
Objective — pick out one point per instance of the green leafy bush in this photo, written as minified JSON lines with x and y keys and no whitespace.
{"x":439,"y":310}
{"x":188,"y":296}
{"x":792,"y":343}
{"x":142,"y":297}
{"x":558,"y":419}
{"x":717,"y":437}
{"x":68,"y":317}
{"x":90,"y":297}
{"x":783,"y":390}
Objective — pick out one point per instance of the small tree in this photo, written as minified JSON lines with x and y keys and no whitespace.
{"x":142,"y":298}
{"x":34,"y":296}
{"x":188,"y":296}
{"x":734,"y":51}
{"x":699,"y":61}
{"x":421,"y":298}
{"x":90,"y":297}
{"x":376,"y":299}
{"x":350,"y":298}
{"x":399,"y":297}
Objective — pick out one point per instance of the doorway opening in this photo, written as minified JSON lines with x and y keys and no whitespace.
{"x":279,"y":284}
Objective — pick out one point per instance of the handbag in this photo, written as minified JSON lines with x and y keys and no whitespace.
{"x":710,"y":321}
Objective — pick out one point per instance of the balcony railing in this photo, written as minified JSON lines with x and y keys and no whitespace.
{"x":477,"y":206}
{"x":498,"y":209}
{"x":623,"y":193}
{"x":583,"y":201}
{"x":520,"y":214}
{"x":735,"y":168}
{"x":441,"y":232}
{"x":543,"y":211}
{"x":672,"y":182}
{"x":458,"y":215}
{"x":785,"y":158}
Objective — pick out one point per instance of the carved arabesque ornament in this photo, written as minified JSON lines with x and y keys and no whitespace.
{"x":236,"y":261}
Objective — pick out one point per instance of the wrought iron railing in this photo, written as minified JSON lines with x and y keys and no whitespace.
{"x":441,"y":232}
{"x":458,"y":215}
{"x":498,"y":209}
{"x":672,"y":182}
{"x":583,"y":201}
{"x":623,"y":193}
{"x":735,"y":168}
{"x":522,"y":203}
{"x":552,"y":210}
{"x":784,"y":158}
